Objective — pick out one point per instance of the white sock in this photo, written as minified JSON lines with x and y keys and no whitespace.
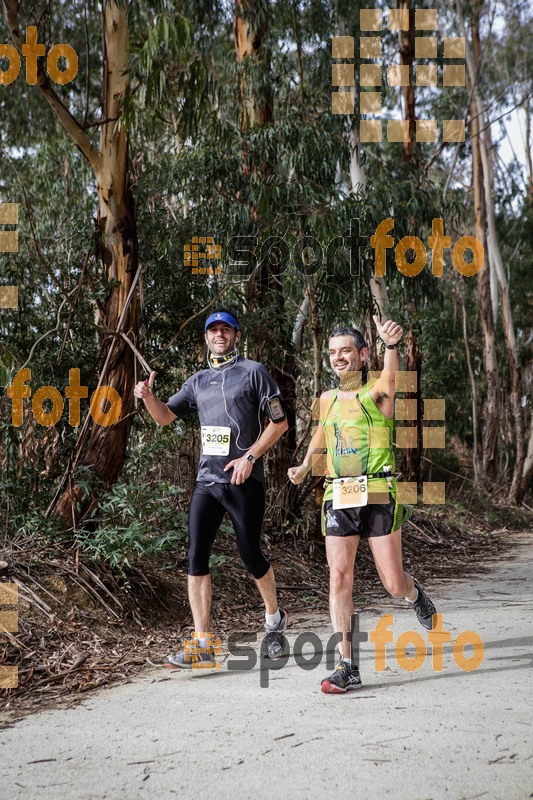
{"x":348,"y":661}
{"x":202,"y":642}
{"x":416,"y":598}
{"x":273,"y":620}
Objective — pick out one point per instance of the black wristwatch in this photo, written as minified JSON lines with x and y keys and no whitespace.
{"x":250,"y":458}
{"x":392,"y":346}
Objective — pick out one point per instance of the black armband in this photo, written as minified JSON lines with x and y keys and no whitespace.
{"x":275,"y":409}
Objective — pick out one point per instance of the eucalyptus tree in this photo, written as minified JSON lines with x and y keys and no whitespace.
{"x":100,"y":133}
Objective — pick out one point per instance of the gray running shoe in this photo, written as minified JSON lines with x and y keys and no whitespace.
{"x":344,"y":679}
{"x":423,"y":607}
{"x":185,"y":659}
{"x":275,"y":644}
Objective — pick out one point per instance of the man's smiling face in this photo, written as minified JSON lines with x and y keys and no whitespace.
{"x":344,"y":356}
{"x":221,"y":338}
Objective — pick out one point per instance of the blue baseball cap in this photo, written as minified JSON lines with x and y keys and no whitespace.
{"x":221,"y":316}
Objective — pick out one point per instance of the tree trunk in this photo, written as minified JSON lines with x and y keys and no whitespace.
{"x":491,"y":409}
{"x":357,"y":169}
{"x":117,"y":246}
{"x":264,"y":290}
{"x":528,"y":462}
{"x":407,"y":56}
{"x":472,"y":377}
{"x":516,"y":491}
{"x":527,"y":144}
{"x":250,"y":29}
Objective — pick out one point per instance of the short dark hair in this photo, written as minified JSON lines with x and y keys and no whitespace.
{"x":358,"y":340}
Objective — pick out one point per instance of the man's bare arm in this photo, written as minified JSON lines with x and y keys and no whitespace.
{"x":158,"y":410}
{"x":384,"y":389}
{"x":316,"y":446}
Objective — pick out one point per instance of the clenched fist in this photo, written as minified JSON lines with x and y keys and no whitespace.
{"x":297,"y":474}
{"x":143,"y":389}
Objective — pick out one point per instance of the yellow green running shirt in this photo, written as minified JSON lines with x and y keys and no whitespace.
{"x":358,"y":440}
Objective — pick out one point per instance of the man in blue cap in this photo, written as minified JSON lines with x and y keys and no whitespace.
{"x":232,"y":398}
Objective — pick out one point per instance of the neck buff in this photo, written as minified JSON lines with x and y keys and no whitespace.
{"x":219,"y":361}
{"x":352,"y":382}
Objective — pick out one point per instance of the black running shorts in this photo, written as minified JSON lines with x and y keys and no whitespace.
{"x":371,"y":520}
{"x":245,"y":505}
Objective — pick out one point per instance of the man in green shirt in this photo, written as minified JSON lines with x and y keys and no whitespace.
{"x":352,"y":447}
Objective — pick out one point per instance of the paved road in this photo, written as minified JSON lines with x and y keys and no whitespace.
{"x":454,"y":734}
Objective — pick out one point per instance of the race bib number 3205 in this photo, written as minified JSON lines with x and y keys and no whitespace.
{"x":215,"y":440}
{"x":350,"y":492}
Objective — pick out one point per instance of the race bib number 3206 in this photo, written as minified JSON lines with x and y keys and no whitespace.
{"x":350,"y":492}
{"x":215,"y":440}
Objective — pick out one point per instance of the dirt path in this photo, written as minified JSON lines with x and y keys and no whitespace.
{"x":406,"y":735}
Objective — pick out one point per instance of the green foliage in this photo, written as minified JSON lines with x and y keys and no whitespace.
{"x":134,"y":522}
{"x":194,"y":172}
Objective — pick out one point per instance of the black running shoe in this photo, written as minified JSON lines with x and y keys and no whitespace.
{"x":274,"y":644}
{"x":344,"y":679}
{"x":423,"y":607}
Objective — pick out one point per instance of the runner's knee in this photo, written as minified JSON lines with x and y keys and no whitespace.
{"x":254,"y":562}
{"x":340,"y":579}
{"x":198,"y":562}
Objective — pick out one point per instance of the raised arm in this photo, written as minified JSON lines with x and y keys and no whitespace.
{"x":384,"y":388}
{"x":158,"y":410}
